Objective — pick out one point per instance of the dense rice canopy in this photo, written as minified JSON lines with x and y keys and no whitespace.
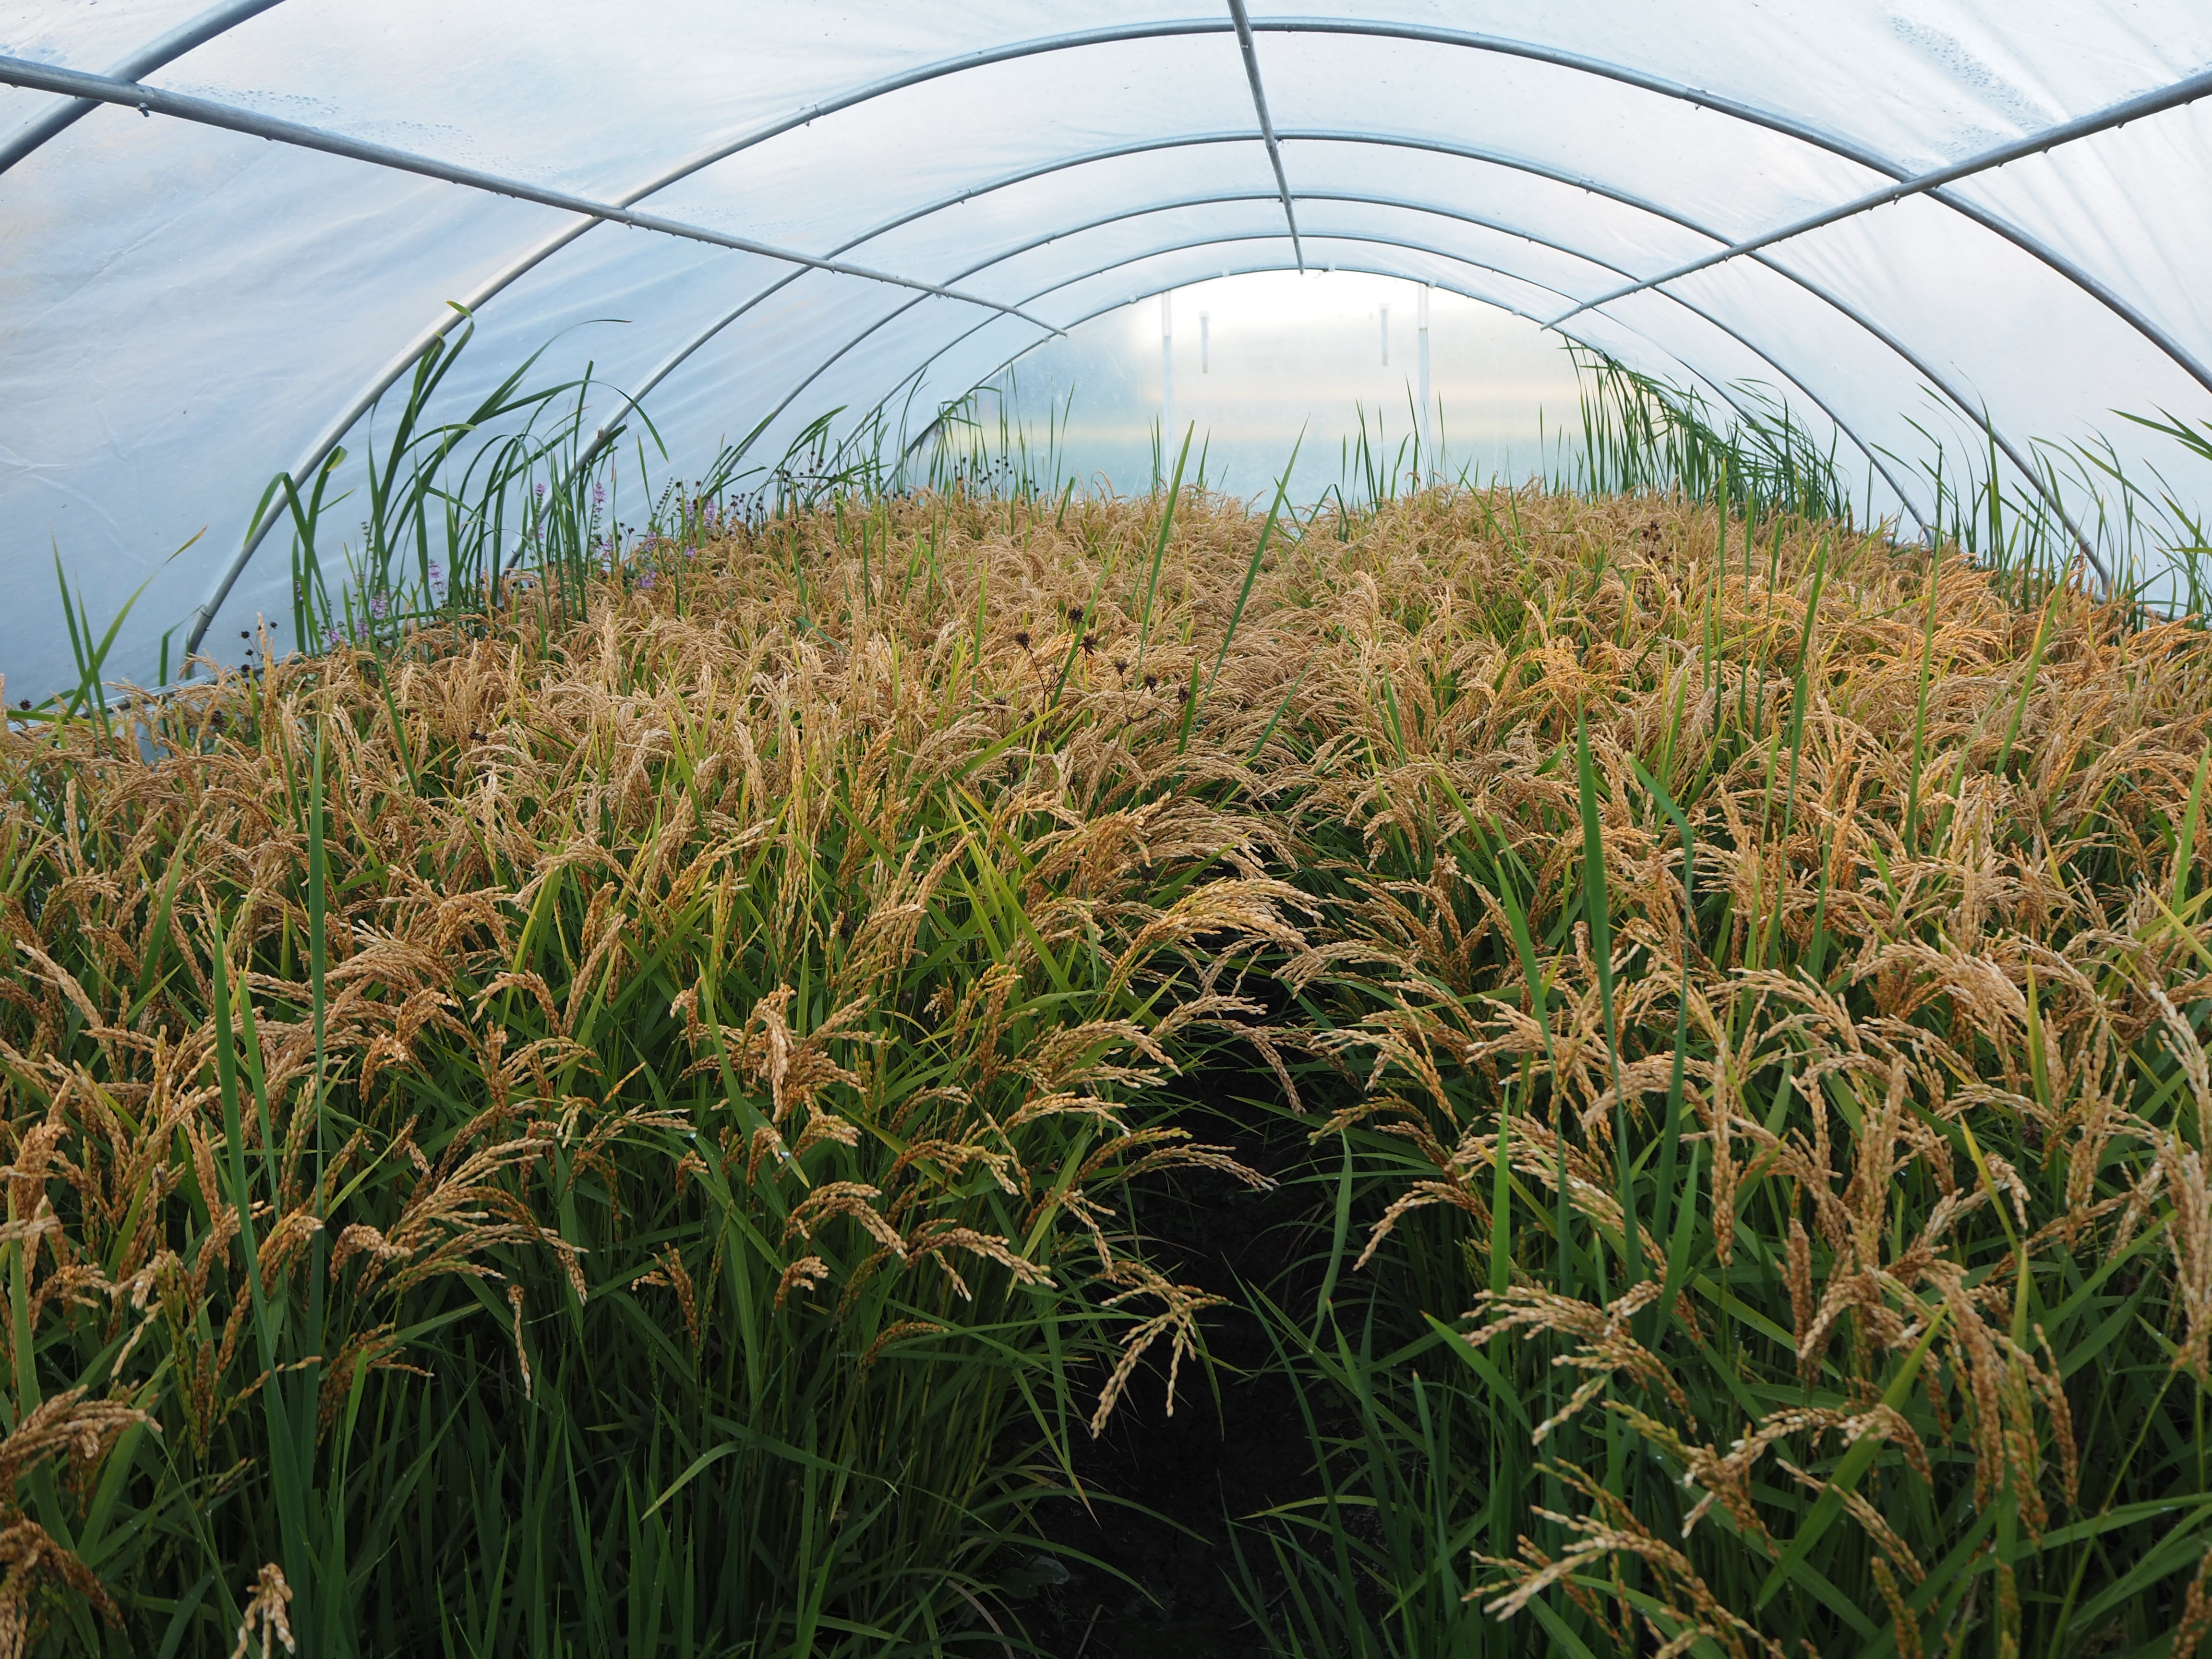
{"x":743,"y":1015}
{"x":187,"y":309}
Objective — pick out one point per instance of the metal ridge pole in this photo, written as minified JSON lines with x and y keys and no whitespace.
{"x":1266,"y":124}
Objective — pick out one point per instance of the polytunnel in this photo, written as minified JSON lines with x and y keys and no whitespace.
{"x":682,"y":973}
{"x":226,"y":231}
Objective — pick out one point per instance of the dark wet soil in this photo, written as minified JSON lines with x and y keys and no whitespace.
{"x":1164,"y":1487}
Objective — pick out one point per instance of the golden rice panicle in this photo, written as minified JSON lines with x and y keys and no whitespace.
{"x":268,"y":1606}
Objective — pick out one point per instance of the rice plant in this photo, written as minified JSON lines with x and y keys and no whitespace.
{"x":1780,"y":1018}
{"x":617,"y":1112}
{"x":597,"y":1134}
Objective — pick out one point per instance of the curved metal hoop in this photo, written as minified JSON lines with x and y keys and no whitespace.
{"x":676,"y":358}
{"x":1873,"y":457}
{"x":1719,"y":388}
{"x":2034,"y":478}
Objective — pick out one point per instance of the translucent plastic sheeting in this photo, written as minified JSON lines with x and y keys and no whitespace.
{"x":2153,"y":249}
{"x":83,"y":36}
{"x":142,"y":393}
{"x":186,"y":312}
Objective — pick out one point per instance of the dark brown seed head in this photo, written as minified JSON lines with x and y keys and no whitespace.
{"x":1022,"y":639}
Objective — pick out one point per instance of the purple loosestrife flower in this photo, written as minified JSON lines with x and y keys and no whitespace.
{"x":646,"y":580}
{"x":378,"y":605}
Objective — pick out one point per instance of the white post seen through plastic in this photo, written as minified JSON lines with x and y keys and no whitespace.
{"x":1167,"y":377}
{"x":1386,"y":337}
{"x":1205,"y":343}
{"x":1421,"y":378}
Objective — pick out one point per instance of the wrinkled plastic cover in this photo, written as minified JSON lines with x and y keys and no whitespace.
{"x":185,"y":312}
